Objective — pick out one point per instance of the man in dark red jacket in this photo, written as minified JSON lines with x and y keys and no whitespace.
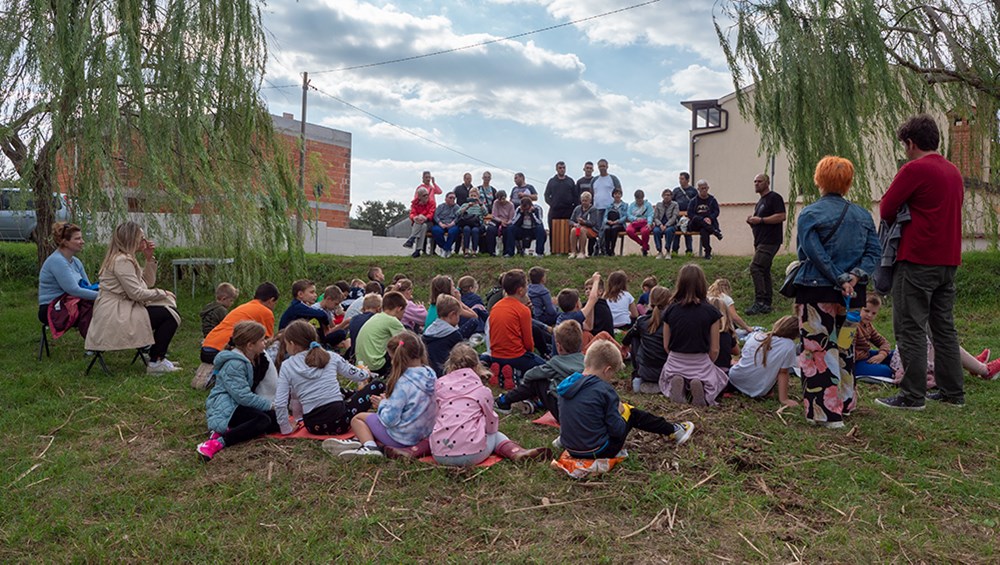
{"x":930,"y":251}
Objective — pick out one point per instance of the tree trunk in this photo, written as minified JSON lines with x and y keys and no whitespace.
{"x":42,"y":189}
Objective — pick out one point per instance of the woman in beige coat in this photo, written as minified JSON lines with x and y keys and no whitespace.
{"x":128,"y":314}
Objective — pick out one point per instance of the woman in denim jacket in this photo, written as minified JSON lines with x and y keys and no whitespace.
{"x":836,"y":262}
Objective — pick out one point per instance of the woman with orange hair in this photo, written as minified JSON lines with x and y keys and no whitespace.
{"x":838,"y":249}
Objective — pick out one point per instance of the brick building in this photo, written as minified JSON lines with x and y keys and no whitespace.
{"x":329,"y":150}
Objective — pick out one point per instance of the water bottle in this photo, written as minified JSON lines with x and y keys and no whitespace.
{"x":845,"y":339}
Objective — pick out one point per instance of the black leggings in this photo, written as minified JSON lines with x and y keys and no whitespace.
{"x":164,"y":327}
{"x":638,"y":419}
{"x":531,"y":390}
{"x":249,"y":423}
{"x":335,"y":418}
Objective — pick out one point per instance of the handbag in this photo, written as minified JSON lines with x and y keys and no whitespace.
{"x":468,"y":221}
{"x":792,"y":271}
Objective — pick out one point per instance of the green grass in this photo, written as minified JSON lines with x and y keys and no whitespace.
{"x":102,"y":468}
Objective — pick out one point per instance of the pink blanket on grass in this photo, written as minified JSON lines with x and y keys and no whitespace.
{"x":546,"y":419}
{"x":488,"y":462}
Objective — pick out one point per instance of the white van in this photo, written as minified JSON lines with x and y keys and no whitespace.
{"x":17,"y":213}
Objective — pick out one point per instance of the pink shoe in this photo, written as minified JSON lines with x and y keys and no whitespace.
{"x":208,"y":449}
{"x":984,"y":356}
{"x":993,"y":370}
{"x":214,"y":435}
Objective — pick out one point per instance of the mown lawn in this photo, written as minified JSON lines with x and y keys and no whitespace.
{"x":103,"y":468}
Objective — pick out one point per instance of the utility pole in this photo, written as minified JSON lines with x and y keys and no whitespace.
{"x":302,"y":159}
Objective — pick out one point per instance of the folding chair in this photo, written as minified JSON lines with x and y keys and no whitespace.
{"x":98,"y":357}
{"x":43,"y":343}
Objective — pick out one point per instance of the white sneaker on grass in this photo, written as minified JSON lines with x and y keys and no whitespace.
{"x":557,"y":444}
{"x":162,"y":366}
{"x":335,"y":446}
{"x":361,"y":453}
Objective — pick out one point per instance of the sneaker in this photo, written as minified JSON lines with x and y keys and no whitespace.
{"x":659,"y":255}
{"x":682,"y":432}
{"x":649,"y":388}
{"x":500,"y":405}
{"x":828,"y":425}
{"x":636,"y":384}
{"x":899,"y":401}
{"x":957,"y":402}
{"x":361,"y":453}
{"x":416,"y":254}
{"x":162,"y":366}
{"x":581,"y":256}
{"x":984,"y":356}
{"x":335,"y":446}
{"x":992,"y":370}
{"x":524,"y":407}
{"x":214,"y":435}
{"x":572,"y":255}
{"x":698,"y":393}
{"x":667,"y":256}
{"x":557,"y":444}
{"x":409,"y":242}
{"x":208,"y":449}
{"x":754,"y":309}
{"x":718,"y":234}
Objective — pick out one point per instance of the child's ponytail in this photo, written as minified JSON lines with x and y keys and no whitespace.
{"x":405,"y":350}
{"x":303,"y":335}
{"x":786,"y":327}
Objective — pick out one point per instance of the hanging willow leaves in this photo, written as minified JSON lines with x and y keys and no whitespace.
{"x":838,"y":77}
{"x":154,"y":102}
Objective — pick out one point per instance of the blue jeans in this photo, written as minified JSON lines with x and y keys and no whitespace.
{"x":471,"y":238}
{"x":874,"y":369}
{"x":687,"y":243}
{"x":518,"y":233}
{"x":439,"y":237}
{"x":661,"y":234}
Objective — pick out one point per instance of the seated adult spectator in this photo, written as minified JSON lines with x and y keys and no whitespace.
{"x":665,"y":216}
{"x":703,"y":216}
{"x":614,"y":221}
{"x":583,"y":224}
{"x":421,"y":216}
{"x":445,"y":228}
{"x":640,"y":221}
{"x":503,"y":215}
{"x":128,"y":312}
{"x":63,"y":274}
{"x":471,"y":216}
{"x":526,"y":226}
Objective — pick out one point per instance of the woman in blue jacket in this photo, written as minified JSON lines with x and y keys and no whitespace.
{"x":838,"y":248}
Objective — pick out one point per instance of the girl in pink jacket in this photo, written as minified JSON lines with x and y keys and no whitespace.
{"x":466,"y":429}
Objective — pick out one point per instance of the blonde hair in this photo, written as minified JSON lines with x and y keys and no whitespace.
{"x":786,"y":327}
{"x":602,"y":353}
{"x":124,"y":241}
{"x":372,"y":301}
{"x":447,"y":305}
{"x":405,"y":350}
{"x":569,"y":334}
{"x":727,"y":318}
{"x":226,"y":290}
{"x":720,"y":287}
{"x":463,"y":356}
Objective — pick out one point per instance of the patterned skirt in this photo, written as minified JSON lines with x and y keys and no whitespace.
{"x":827,"y":370}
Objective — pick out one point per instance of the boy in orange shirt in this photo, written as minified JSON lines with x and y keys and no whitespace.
{"x":260,"y":309}
{"x":511,"y":343}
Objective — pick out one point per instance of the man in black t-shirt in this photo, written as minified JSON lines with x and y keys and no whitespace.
{"x":586,"y":182}
{"x":766,"y":224}
{"x":462,"y":191}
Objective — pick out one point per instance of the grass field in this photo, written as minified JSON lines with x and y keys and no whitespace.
{"x":103,"y":468}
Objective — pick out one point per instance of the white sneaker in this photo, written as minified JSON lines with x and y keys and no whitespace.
{"x":162,"y":366}
{"x":361,"y":452}
{"x":335,"y":446}
{"x":667,"y":256}
{"x":581,"y":256}
{"x":659,"y":255}
{"x":683,"y":432}
{"x":572,"y":255}
{"x":557,"y":444}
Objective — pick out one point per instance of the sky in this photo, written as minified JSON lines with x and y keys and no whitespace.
{"x":609,"y":87}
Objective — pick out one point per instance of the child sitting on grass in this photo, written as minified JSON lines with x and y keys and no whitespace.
{"x":415,"y":313}
{"x":466,"y":429}
{"x":303,"y":297}
{"x":214,"y":312}
{"x":373,"y":337}
{"x":647,"y":343}
{"x":723,"y":290}
{"x":371,"y":304}
{"x":335,"y":333}
{"x":355,"y":308}
{"x":868,"y":361}
{"x":542,"y":308}
{"x":539,"y":383}
{"x":642,"y":303}
{"x":593,"y":421}
{"x":468,"y":289}
{"x":620,"y":300}
{"x":443,"y":334}
{"x":728,"y":346}
{"x":235,"y":413}
{"x":767,"y":358}
{"x":511,"y":340}
{"x":405,"y":416}
{"x":309,"y":373}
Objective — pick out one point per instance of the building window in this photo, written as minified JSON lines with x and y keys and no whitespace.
{"x":710,"y":117}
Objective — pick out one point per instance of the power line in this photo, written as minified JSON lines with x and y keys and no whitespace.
{"x":413,"y":133}
{"x":490,"y":42}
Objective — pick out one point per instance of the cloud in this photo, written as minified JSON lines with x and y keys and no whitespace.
{"x":697,"y":82}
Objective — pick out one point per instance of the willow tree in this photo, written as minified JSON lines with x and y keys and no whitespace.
{"x":148,"y":101}
{"x":838,"y":76}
